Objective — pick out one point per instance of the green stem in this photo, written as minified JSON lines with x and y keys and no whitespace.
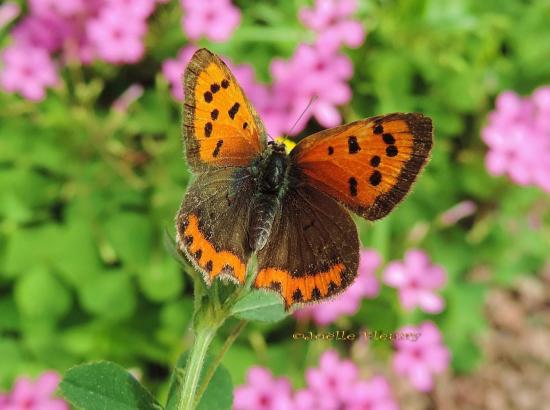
{"x":194,"y":367}
{"x":212,"y":369}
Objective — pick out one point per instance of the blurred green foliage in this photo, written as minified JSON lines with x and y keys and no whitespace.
{"x":86,"y":192}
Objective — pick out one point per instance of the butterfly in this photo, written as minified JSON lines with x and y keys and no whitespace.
{"x":291,"y":210}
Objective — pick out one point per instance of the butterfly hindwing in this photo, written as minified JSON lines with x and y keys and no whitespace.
{"x":221,"y":128}
{"x":313,"y":249}
{"x":212,"y":223}
{"x":367,"y":165}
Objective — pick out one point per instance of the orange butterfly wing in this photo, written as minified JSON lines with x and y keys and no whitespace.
{"x":368,"y":165}
{"x":220,"y":127}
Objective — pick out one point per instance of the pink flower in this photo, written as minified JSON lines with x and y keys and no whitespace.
{"x":137,"y":8}
{"x":416,"y":278}
{"x":213,"y":19}
{"x":27,"y":395}
{"x":8,"y":12}
{"x":348,"y":303}
{"x":58,"y":7}
{"x":333,"y":382}
{"x":116,"y":36}
{"x":305,"y":400}
{"x":257,"y":93}
{"x":333,"y":385}
{"x":28,"y":71}
{"x":263,"y":392}
{"x":373,"y":394}
{"x":111,"y":30}
{"x":173,"y":69}
{"x":311,"y":73}
{"x":461,"y":210}
{"x":418,"y":361}
{"x":132,"y":94}
{"x":330,"y":19}
{"x":518,"y":136}
{"x":44,"y":31}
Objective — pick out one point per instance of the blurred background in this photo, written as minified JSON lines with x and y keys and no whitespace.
{"x":92,"y":174}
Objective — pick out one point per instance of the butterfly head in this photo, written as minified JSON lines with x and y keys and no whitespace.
{"x":277,"y":146}
{"x":270,"y":169}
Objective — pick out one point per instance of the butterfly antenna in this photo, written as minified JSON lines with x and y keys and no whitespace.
{"x":311,"y":101}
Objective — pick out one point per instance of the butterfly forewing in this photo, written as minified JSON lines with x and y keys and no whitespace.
{"x":220,"y":128}
{"x":367,"y":165}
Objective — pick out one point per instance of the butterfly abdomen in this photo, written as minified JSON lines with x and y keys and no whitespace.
{"x":264,"y":209}
{"x":271,"y":183}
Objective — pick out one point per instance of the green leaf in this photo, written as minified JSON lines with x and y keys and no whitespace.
{"x":26,"y":249}
{"x":219,"y":393}
{"x":261,"y":306}
{"x":9,"y":314}
{"x":162,"y":281}
{"x":131,"y":236}
{"x":39,"y":295}
{"x":78,"y":259}
{"x":13,"y":358}
{"x":110,"y":295}
{"x":105,"y":385}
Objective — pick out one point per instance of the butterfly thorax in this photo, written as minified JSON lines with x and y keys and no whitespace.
{"x":270,"y":171}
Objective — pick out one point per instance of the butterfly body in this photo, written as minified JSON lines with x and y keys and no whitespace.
{"x":270,"y":172}
{"x":291,"y":210}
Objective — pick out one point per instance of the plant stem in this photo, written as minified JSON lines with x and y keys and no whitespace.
{"x":194,"y":366}
{"x":212,"y":369}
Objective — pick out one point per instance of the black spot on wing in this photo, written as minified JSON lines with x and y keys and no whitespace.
{"x":353,"y":145}
{"x":197,"y":255}
{"x":208,"y":96}
{"x":315,"y":293}
{"x":309,"y":225}
{"x":375,"y":178}
{"x":275,"y":285}
{"x":388,"y":139}
{"x":375,"y":161}
{"x":352,"y":186}
{"x":208,"y":129}
{"x":233,"y":110}
{"x":392,"y":151}
{"x":217,"y":149}
{"x":297,"y":296}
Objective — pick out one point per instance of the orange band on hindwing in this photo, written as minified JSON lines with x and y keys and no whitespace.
{"x":203,"y":253}
{"x":303,"y":289}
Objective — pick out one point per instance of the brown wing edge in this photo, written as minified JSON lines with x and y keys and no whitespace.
{"x":200,"y":60}
{"x":422,"y":130}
